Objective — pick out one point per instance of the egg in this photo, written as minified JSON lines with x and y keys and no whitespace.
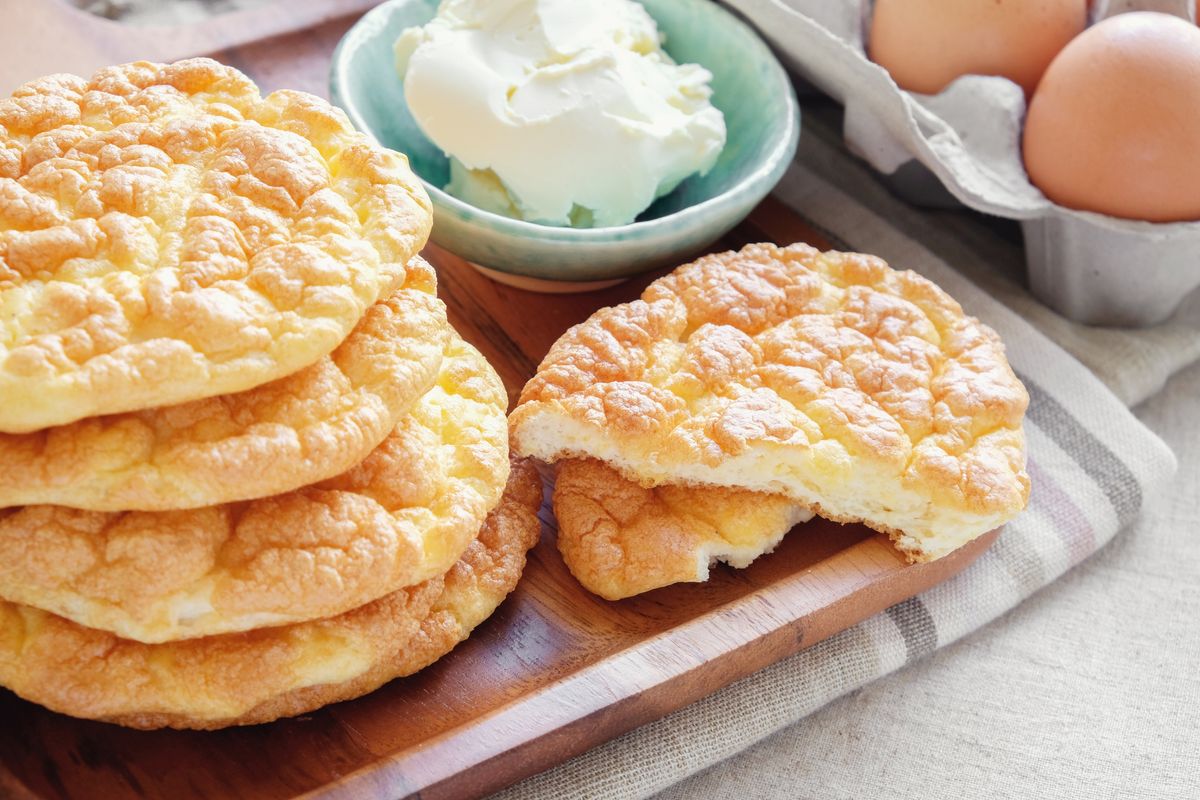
{"x":926,"y":44}
{"x":1114,"y":126}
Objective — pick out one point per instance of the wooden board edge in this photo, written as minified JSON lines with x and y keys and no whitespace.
{"x":11,"y":787}
{"x":425,"y":771}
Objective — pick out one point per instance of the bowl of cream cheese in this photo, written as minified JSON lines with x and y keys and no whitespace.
{"x":570,"y":143}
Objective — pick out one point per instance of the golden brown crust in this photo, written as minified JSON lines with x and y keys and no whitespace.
{"x":259,"y":676}
{"x":828,"y":377}
{"x":402,"y":516}
{"x":166,"y":234}
{"x":271,"y":439}
{"x":620,"y":539}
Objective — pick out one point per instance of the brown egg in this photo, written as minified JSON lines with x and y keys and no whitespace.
{"x":1114,"y":126}
{"x":926,"y":44}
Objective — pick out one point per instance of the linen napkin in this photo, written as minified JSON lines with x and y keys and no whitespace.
{"x":1093,"y":467}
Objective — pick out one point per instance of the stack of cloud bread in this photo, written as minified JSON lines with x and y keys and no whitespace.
{"x":247,"y":468}
{"x":747,"y":391}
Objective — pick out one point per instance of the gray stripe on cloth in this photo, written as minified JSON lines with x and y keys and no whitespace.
{"x":916,"y":625}
{"x":835,"y":240}
{"x":1069,"y":520}
{"x":1101,"y":464}
{"x":660,"y":753}
{"x":1019,"y":559}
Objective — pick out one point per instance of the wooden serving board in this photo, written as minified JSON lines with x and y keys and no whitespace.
{"x":554,"y":672}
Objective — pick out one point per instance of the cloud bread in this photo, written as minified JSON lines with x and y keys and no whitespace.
{"x":400,"y":517}
{"x":259,"y":676}
{"x":274,"y":438}
{"x":863,"y":393}
{"x":620,"y":539}
{"x":167,"y":234}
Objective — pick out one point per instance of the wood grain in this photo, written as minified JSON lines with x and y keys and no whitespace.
{"x":554,"y":672}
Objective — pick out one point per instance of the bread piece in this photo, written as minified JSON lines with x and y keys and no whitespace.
{"x":274,"y":438}
{"x":863,"y":393}
{"x":259,"y":676}
{"x":167,"y":234}
{"x":402,"y":516}
{"x":620,"y":539}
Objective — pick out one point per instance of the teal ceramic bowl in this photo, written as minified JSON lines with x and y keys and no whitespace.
{"x":750,"y":87}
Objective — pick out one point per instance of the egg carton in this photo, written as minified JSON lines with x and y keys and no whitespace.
{"x":962,"y":145}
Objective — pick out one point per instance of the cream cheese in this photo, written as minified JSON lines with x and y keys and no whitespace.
{"x":563,"y":112}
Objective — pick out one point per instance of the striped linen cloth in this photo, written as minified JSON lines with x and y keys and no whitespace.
{"x":1092,"y":464}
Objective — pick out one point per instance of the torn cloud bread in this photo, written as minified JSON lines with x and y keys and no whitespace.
{"x":828,"y":380}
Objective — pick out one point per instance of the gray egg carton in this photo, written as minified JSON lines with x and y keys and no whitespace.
{"x":965,"y":141}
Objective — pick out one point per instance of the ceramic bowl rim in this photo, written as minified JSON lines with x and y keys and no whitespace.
{"x":747,"y":187}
